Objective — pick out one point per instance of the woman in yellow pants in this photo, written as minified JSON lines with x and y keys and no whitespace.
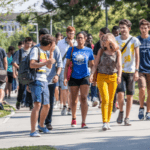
{"x":108,"y":64}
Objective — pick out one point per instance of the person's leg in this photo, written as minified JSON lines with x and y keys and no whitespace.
{"x":6,"y":89}
{"x":74,"y":96}
{"x":57,"y":93}
{"x":1,"y":95}
{"x":121,"y":100}
{"x":84,"y":90}
{"x":112,"y":86}
{"x":34,"y":115}
{"x":129,"y":105}
{"x":9,"y":89}
{"x":103,"y":88}
{"x":148,"y":92}
{"x":64,"y":94}
{"x":51,"y":101}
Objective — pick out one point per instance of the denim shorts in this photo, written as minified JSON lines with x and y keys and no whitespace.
{"x":2,"y":85}
{"x":61,"y":81}
{"x":40,"y":92}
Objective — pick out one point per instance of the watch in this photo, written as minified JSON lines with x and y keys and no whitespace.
{"x":57,"y":74}
{"x":137,"y":70}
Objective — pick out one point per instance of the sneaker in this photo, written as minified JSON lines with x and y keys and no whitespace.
{"x":73,"y":123}
{"x":147,"y":116}
{"x":23,"y":105}
{"x":9,"y":97}
{"x":49,"y":126}
{"x":35,"y":134}
{"x":64,"y":111}
{"x":141,"y":114}
{"x":18,"y":105}
{"x":56,"y":105}
{"x":104,"y":127}
{"x":69,"y":111}
{"x":61,"y":106}
{"x":95,"y":102}
{"x":108,"y":126}
{"x":127,"y":122}
{"x":117,"y":106}
{"x":44,"y":130}
{"x":114,"y":107}
{"x":1,"y":106}
{"x":84,"y":126}
{"x":120,"y":118}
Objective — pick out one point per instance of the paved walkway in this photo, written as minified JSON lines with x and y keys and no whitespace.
{"x":15,"y":132}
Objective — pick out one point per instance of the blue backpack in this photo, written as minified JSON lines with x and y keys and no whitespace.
{"x":26,"y":75}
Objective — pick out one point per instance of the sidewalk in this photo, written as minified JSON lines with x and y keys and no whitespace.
{"x":15,"y":132}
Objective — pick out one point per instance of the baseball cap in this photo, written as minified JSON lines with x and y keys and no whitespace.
{"x":43,"y":31}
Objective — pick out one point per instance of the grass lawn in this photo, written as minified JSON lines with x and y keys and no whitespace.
{"x":31,"y":148}
{"x":136,"y":95}
{"x":6,"y":111}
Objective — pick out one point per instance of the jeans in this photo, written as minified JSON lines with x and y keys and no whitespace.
{"x":21,"y":90}
{"x":93,"y":92}
{"x":51,"y":101}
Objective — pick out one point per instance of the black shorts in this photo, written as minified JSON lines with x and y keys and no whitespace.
{"x":78,"y":82}
{"x":127,"y":83}
{"x":10,"y":77}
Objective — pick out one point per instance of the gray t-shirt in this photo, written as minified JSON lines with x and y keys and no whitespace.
{"x":24,"y":53}
{"x":41,"y":72}
{"x":2,"y":56}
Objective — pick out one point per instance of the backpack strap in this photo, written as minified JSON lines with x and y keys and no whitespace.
{"x":126,"y":45}
{"x":20,"y":55}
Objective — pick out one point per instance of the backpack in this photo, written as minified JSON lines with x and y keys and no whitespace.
{"x":26,"y":75}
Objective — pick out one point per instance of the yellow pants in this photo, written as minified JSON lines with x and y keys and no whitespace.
{"x":107,"y":85}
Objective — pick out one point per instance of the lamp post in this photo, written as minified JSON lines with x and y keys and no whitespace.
{"x":106,"y":12}
{"x":51,"y":26}
{"x":37,"y":32}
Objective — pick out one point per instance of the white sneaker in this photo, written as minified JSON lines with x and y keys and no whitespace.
{"x":64,"y":111}
{"x":108,"y":126}
{"x":95,"y":102}
{"x":61,"y":106}
{"x":104,"y":127}
{"x":56,"y":105}
{"x":69,"y":111}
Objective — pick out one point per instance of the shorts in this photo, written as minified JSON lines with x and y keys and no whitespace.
{"x":78,"y":82}
{"x":61,"y":81}
{"x":127,"y":82}
{"x":40,"y":92}
{"x":57,"y":84}
{"x":2,"y":85}
{"x":10,"y":77}
{"x":144,"y":79}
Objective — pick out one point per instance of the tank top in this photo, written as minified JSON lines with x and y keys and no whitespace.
{"x":108,"y":64}
{"x":9,"y":60}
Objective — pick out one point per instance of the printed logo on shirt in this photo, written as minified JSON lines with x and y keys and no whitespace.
{"x":42,"y":57}
{"x":79,"y":58}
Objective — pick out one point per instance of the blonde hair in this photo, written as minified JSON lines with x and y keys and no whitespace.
{"x":109,"y":38}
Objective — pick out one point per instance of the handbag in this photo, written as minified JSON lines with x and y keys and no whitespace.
{"x":3,"y":75}
{"x":70,"y":68}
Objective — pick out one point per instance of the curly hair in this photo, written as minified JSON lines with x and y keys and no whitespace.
{"x":47,"y":39}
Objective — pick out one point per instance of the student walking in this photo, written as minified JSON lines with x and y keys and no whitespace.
{"x":130,"y":66}
{"x":39,"y":88}
{"x":108,"y":63}
{"x":81,"y":57}
{"x":144,"y":68}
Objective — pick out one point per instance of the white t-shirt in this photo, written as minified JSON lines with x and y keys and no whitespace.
{"x":128,"y":55}
{"x":41,"y":72}
{"x":64,"y":46}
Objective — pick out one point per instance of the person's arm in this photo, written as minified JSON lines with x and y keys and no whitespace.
{"x":91,"y":63}
{"x":34,"y":64}
{"x":95,"y":65}
{"x":119,"y":67}
{"x":55,"y":79}
{"x":137,"y":60}
{"x":51,"y":61}
{"x":15,"y":65}
{"x":5,"y":63}
{"x":65,"y":73}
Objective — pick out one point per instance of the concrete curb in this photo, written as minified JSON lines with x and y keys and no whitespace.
{"x":8,"y":117}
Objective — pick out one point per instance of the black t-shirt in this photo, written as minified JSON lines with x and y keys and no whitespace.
{"x":97,"y":46}
{"x":2,"y":56}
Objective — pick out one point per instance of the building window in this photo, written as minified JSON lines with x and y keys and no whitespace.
{"x":9,"y":28}
{"x":5,"y":28}
{"x":15,"y":27}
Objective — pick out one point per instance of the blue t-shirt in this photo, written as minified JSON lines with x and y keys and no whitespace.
{"x":80,"y":59}
{"x":144,"y":55}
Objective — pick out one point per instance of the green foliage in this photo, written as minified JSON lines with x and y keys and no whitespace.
{"x":13,"y":40}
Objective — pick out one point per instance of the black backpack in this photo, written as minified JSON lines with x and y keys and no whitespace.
{"x":26,"y":75}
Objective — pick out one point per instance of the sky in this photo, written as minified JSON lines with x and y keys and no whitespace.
{"x":29,"y":3}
